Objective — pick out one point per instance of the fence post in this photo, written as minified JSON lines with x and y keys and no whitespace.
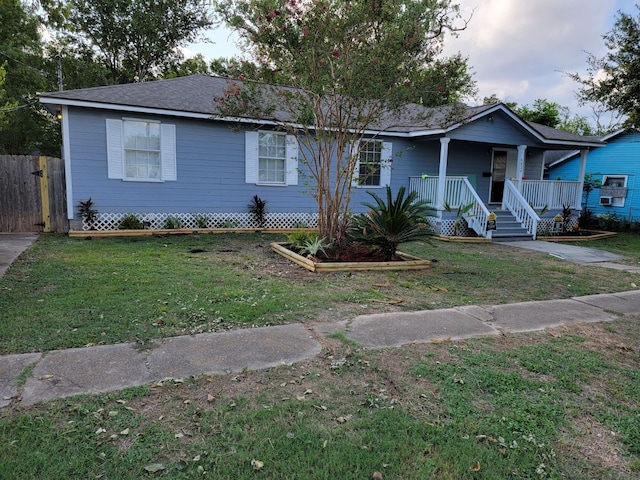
{"x":44,"y":195}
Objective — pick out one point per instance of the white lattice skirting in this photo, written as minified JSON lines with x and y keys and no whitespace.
{"x":159,"y":221}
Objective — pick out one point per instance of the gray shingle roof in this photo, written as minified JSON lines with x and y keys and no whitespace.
{"x":195,"y":95}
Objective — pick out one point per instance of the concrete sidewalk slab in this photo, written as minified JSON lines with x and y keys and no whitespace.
{"x":397,"y":329}
{"x":75,"y":371}
{"x":623,"y":303}
{"x":101,"y":369}
{"x":11,"y":367}
{"x":532,"y":316}
{"x":232,"y":351}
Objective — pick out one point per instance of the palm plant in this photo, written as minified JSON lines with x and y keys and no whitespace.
{"x":389,"y":224}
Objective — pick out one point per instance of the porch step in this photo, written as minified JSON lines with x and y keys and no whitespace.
{"x":509,"y":229}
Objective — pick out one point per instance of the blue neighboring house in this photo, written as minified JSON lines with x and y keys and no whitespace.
{"x":160,"y":149}
{"x":616,"y":165}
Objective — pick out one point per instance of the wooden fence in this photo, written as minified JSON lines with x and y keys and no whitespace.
{"x":32,"y":194}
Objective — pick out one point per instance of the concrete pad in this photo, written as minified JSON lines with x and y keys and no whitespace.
{"x":11,"y":366}
{"x":623,"y":302}
{"x":397,"y":329}
{"x":233,"y":351}
{"x":11,"y":246}
{"x":75,"y":371}
{"x":571,"y":253}
{"x":532,"y":316}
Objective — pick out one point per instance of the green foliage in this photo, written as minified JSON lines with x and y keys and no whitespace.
{"x":461,"y":211}
{"x":314,"y":245}
{"x":591,"y":183}
{"x":202,"y":221}
{"x":299,"y":238}
{"x":387,"y":225}
{"x":130,"y":222}
{"x":258,"y":208}
{"x":26,"y":127}
{"x":614,"y":80}
{"x":172,"y":223}
{"x":134,"y":39}
{"x":351,"y":64}
{"x":87,"y":212}
{"x":543,"y":112}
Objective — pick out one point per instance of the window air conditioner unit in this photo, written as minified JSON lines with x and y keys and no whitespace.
{"x":606,"y":200}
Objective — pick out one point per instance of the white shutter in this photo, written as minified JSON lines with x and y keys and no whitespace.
{"x":356,"y":169}
{"x":168,"y":152}
{"x":291,"y":161}
{"x":251,"y":157}
{"x":115,"y":160}
{"x":386,"y":158}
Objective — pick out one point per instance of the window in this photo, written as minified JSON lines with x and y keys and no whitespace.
{"x":373,"y":168}
{"x":370,"y":162}
{"x":271,"y":158}
{"x":613,"y":190}
{"x":141,"y":150}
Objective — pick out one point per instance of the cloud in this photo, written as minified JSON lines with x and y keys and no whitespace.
{"x":519,"y":49}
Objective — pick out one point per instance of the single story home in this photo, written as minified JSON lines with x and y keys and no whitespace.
{"x":617,"y":167}
{"x":160,"y":149}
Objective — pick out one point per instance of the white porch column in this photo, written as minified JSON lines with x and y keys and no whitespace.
{"x":520,"y":166}
{"x":583,"y":172}
{"x":442,"y":172}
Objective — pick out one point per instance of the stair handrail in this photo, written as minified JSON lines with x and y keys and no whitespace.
{"x":476,"y":216}
{"x":513,"y":201}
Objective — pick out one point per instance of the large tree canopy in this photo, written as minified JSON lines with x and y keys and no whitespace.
{"x":614,"y":80}
{"x":352,"y":64}
{"x":134,"y":39}
{"x":25,"y":127}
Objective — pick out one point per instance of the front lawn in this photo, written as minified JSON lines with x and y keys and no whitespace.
{"x":557,"y":404}
{"x":69,"y":292}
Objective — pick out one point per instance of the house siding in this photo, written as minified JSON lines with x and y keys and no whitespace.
{"x":501,"y":131}
{"x":210,"y":171}
{"x":621,"y":156}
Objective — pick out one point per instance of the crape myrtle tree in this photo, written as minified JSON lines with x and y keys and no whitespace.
{"x":350,"y":68}
{"x":614,"y":80}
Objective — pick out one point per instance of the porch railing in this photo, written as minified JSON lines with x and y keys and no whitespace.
{"x":516,"y":203}
{"x":551,"y":193}
{"x":458,"y":192}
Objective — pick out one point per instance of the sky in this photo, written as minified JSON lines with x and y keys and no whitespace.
{"x":517,"y":49}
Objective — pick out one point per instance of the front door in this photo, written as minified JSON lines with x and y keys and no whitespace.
{"x":503,"y":167}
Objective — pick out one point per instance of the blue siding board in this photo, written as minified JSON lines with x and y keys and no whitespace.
{"x":621,"y":156}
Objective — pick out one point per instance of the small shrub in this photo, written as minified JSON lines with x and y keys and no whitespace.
{"x":130,"y":222}
{"x":172,"y":223}
{"x":387,"y":225}
{"x":228,"y":223}
{"x":202,"y":221}
{"x":298,"y":239}
{"x":315,"y":245}
{"x":257,"y":208}
{"x":87,"y":212}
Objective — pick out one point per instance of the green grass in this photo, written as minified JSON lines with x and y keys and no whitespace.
{"x":69,"y":292}
{"x":495,"y":408}
{"x":557,"y":405}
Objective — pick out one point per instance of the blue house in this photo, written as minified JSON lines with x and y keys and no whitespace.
{"x":616,"y":165}
{"x":160,"y":149}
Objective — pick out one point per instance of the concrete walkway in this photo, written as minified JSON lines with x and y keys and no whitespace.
{"x":26,"y":379}
{"x":35,"y":377}
{"x":576,"y":254}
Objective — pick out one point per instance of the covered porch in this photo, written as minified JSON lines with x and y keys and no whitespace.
{"x":526,"y":205}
